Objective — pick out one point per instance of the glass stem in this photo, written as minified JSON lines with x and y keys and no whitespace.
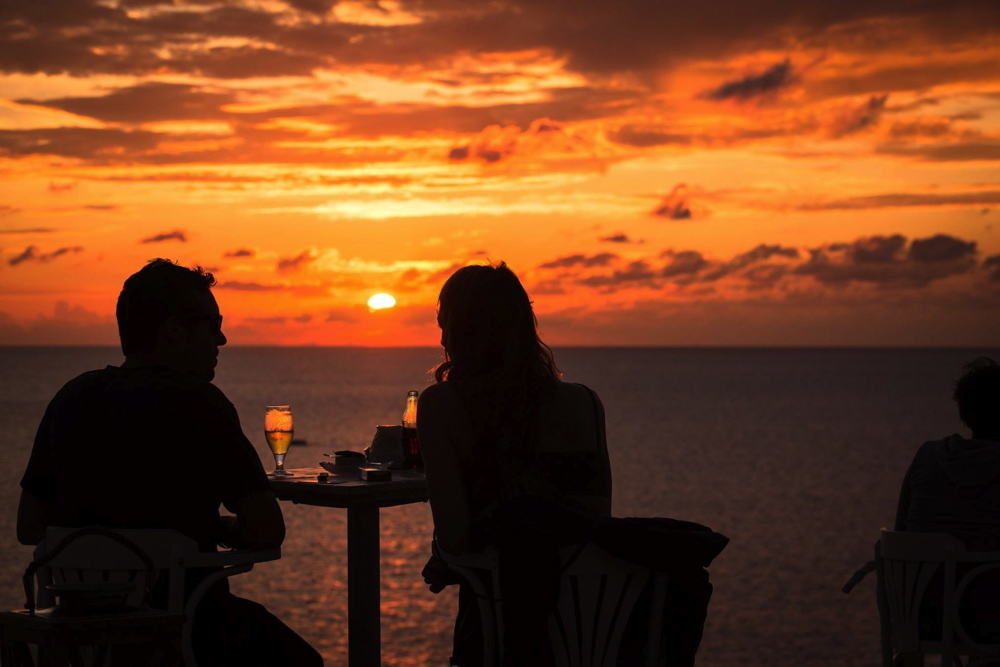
{"x":279,"y":462}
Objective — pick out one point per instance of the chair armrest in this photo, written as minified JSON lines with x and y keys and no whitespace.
{"x":979,"y":557}
{"x":231,"y":557}
{"x":235,"y":561}
{"x":480,"y":560}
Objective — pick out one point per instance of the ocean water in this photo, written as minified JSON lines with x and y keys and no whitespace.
{"x":795,"y":454}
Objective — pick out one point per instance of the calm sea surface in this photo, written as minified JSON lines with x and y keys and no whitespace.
{"x":795,"y":454}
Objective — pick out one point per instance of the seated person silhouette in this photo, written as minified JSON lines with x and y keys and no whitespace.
{"x":953,"y":486}
{"x":154,"y":444}
{"x":515,"y":459}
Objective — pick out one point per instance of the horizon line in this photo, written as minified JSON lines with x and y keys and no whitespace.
{"x":562,"y":347}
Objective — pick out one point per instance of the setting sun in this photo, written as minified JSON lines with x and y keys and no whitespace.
{"x":381,"y":301}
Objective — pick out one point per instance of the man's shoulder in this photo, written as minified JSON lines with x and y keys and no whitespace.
{"x":84,"y":383}
{"x":157,"y":386}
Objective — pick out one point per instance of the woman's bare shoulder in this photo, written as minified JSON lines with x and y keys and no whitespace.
{"x":438,"y":397}
{"x":439,"y":391}
{"x":575,"y":392}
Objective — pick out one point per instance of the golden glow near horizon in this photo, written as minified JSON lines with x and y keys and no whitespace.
{"x":381,"y":301}
{"x":839,"y":187}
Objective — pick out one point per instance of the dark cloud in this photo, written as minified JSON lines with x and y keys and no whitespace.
{"x":858,"y":118}
{"x":243,"y":61}
{"x":77,"y":142}
{"x":341,"y":315}
{"x":319,"y":7}
{"x":145,"y":102}
{"x":287,"y":179}
{"x":644,"y":136}
{"x":760,"y":253}
{"x":67,"y":325}
{"x":941,"y":248}
{"x":900,"y":199}
{"x":29,"y":230}
{"x":244,"y":286}
{"x":920,"y":128}
{"x":875,"y":249}
{"x":637,"y":272}
{"x":55,"y":186}
{"x":917,"y":77}
{"x":620,"y":237}
{"x":884,"y":261}
{"x":281,"y":319}
{"x":498,"y":142}
{"x":765,"y":276}
{"x":683,"y":263}
{"x":637,"y":37}
{"x":101,"y":207}
{"x":59,"y":252}
{"x":241,"y":252}
{"x":296,"y":263}
{"x":600,"y":259}
{"x":175,"y":235}
{"x":771,"y":80}
{"x":7,"y":209}
{"x":31,"y":254}
{"x":548,"y":286}
{"x":675,"y":206}
{"x":984,"y":149}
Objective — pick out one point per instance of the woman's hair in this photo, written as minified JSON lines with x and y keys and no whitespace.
{"x":492,"y":351}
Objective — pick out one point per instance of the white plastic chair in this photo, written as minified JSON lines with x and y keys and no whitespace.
{"x":597,"y":595}
{"x":906,"y":562}
{"x":96,"y":558}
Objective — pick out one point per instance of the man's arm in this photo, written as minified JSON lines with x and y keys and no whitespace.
{"x":30,"y":519}
{"x":258,"y":523}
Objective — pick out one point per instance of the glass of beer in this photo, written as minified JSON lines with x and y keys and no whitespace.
{"x":278,"y":429}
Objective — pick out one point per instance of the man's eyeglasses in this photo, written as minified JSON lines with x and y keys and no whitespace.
{"x":214,"y":320}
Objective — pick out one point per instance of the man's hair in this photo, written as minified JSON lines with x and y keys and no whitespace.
{"x":153,"y":294}
{"x":977,"y":393}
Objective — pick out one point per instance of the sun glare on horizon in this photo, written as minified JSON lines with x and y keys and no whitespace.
{"x":381,"y":301}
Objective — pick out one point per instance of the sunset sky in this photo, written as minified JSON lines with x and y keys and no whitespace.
{"x":784,"y":172}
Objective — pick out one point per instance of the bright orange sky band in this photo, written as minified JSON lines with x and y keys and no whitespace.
{"x":658,"y":173}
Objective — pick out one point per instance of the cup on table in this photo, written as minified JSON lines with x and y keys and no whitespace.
{"x":387,"y":446}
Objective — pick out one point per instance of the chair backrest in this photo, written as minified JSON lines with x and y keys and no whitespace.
{"x":907,"y":563}
{"x":597,"y":596}
{"x":100,"y":555}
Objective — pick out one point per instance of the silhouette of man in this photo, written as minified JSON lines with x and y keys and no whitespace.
{"x":953,"y":486}
{"x":154,"y":444}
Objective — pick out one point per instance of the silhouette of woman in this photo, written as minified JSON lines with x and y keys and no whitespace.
{"x":499,"y":427}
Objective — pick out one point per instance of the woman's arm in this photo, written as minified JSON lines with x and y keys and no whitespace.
{"x":603,"y":458}
{"x":438,"y":415}
{"x":903,"y":506}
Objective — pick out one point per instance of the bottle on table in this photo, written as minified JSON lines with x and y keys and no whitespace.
{"x":411,"y":446}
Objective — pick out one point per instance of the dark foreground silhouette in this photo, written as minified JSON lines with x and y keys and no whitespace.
{"x":154,"y":444}
{"x":953,"y":486}
{"x":517,"y":462}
